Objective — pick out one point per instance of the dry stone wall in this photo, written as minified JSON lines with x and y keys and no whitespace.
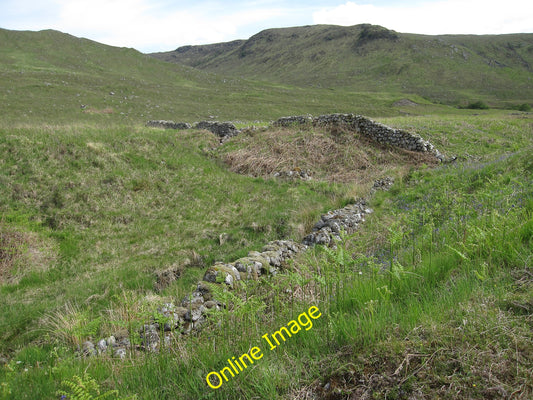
{"x":168,"y":124}
{"x":221,"y":129}
{"x":191,"y":313}
{"x":357,"y":123}
{"x":365,"y":126}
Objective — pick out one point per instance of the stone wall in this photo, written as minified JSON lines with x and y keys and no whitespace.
{"x":365,"y":126}
{"x":221,"y":129}
{"x":294,"y":120}
{"x":357,"y":123}
{"x":191,"y":313}
{"x":168,"y":124}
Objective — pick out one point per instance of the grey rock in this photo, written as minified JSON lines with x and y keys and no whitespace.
{"x":111,"y":341}
{"x":88,"y":349}
{"x":168,"y":124}
{"x":102,"y":346}
{"x":120,"y":353}
{"x":150,"y":337}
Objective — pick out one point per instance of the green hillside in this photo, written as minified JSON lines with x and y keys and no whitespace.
{"x":105,"y":221}
{"x":89,"y":81}
{"x":451,"y":69}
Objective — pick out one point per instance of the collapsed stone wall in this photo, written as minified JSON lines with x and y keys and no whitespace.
{"x":168,"y":124}
{"x":365,"y":126}
{"x":380,"y":133}
{"x":192,"y":312}
{"x":221,"y":129}
{"x":190,"y":315}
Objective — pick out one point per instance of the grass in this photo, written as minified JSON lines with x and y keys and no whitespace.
{"x":431,"y":298}
{"x":338,"y":157}
{"x":90,"y":83}
{"x":444,"y":257}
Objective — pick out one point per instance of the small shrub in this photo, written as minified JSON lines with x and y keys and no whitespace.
{"x":478,"y":105}
{"x":522,"y":107}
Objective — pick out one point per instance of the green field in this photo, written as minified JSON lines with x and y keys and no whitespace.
{"x":431,"y":298}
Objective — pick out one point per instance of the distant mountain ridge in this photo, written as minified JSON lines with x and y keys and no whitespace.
{"x":367,"y":58}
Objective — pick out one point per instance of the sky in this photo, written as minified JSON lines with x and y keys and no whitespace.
{"x":163,"y":25}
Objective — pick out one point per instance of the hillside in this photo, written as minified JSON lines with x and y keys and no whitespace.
{"x":135,"y":262}
{"x":88,"y":81}
{"x":447,"y":69}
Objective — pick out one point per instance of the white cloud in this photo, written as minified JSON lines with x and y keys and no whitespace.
{"x":447,"y":16}
{"x":140,"y":24}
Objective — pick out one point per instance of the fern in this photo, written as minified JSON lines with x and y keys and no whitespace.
{"x":86,"y":388}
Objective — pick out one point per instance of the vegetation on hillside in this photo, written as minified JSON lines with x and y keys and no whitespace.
{"x":431,"y":298}
{"x":449,"y":69}
{"x":49,"y":77}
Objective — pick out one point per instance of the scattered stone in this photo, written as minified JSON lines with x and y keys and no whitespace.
{"x":383,"y":184}
{"x":88,"y":349}
{"x":296,"y":173}
{"x":120,"y":353}
{"x":221,"y":129}
{"x":168,"y":124}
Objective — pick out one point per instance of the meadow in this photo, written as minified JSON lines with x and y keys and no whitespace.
{"x":430,"y":298}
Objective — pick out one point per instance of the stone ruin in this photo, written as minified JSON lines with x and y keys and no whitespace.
{"x":365,"y":126}
{"x":356,"y":123}
{"x":168,"y":124}
{"x":222,"y":129}
{"x":192,"y":312}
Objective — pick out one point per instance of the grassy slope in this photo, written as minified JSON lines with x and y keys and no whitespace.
{"x":86,"y":73}
{"x":95,"y":204}
{"x":448,"y":68}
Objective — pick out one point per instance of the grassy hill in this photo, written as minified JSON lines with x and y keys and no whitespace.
{"x":431,"y":298}
{"x":89,"y":81}
{"x":451,"y":69}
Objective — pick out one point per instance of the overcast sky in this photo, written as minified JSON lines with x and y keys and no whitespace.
{"x":160,"y":25}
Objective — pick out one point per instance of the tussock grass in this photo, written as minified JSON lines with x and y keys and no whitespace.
{"x":335,"y":156}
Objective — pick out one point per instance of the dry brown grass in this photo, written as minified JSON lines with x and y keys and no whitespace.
{"x":21,"y":252}
{"x":336,"y":156}
{"x":11,"y":248}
